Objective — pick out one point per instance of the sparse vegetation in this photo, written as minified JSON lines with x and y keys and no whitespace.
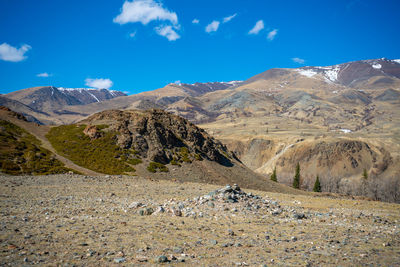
{"x":102,"y":126}
{"x":156,"y":166}
{"x":296,"y":178}
{"x":101,"y":154}
{"x":134,"y":161}
{"x":174,"y":161}
{"x":273,"y":176}
{"x":184,"y":153}
{"x":198,"y":156}
{"x":21,"y":153}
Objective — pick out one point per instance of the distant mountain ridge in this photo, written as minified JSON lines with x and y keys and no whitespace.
{"x":202,"y":88}
{"x":275,"y":90}
{"x":91,"y":95}
{"x":352,"y":74}
{"x":46,"y":104}
{"x":38,"y":97}
{"x":278,"y":115}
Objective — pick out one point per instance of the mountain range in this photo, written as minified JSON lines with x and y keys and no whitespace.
{"x":336,"y":121}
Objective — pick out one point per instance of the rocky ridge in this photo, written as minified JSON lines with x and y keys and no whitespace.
{"x":159,"y":136}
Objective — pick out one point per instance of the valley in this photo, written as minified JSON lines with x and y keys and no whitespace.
{"x":336,"y":121}
{"x":199,"y":133}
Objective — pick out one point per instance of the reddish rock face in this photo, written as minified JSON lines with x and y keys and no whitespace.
{"x":92,"y":132}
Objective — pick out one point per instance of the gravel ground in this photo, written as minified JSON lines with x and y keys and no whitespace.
{"x":72,"y":220}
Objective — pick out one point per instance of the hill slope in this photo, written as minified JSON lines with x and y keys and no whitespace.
{"x":21,"y":153}
{"x":350,"y":102}
{"x":154,"y":144}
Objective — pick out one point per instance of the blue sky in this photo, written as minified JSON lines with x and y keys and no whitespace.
{"x":143,"y":45}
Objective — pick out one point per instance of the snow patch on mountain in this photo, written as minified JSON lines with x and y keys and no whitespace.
{"x":377,"y":66}
{"x":345,"y":131}
{"x":396,"y":60}
{"x":233,"y":82}
{"x":94,"y":96}
{"x":78,"y":89}
{"x":307,"y":73}
{"x":332,"y":74}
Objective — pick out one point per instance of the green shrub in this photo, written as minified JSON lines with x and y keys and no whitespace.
{"x":102,"y":126}
{"x":175,"y":162}
{"x":274,"y":178}
{"x":156,"y":166}
{"x":184,"y":153}
{"x":134,"y":161}
{"x":21,"y":153}
{"x":365,"y":174}
{"x":101,"y":155}
{"x":296,"y":179}
{"x":198,"y":157}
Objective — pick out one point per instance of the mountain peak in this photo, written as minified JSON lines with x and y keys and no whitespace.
{"x":354,"y":73}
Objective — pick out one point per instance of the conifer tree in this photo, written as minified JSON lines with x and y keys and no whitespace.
{"x":296,"y":179}
{"x":365,"y":174}
{"x":273,"y":176}
{"x":317,"y":185}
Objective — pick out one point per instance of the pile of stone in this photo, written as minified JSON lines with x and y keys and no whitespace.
{"x":227,"y":200}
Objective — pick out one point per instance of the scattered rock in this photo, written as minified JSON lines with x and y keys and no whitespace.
{"x":146,"y":211}
{"x":119,"y":260}
{"x":299,"y":216}
{"x":213,"y":242}
{"x":135,"y":205}
{"x":161,"y":259}
{"x":178,"y":250}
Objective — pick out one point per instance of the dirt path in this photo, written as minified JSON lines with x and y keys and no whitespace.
{"x":270,"y":164}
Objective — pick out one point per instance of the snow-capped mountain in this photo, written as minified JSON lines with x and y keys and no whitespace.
{"x":49,"y":98}
{"x":354,"y":73}
{"x":203,"y":88}
{"x":90,"y":95}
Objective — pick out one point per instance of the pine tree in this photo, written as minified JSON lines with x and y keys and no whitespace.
{"x":365,"y":174}
{"x":296,"y":179}
{"x":273,"y":176}
{"x":317,"y":185}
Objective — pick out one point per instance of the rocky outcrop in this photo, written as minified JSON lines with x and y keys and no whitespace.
{"x":13,"y":113}
{"x":160,"y":136}
{"x":92,"y":131}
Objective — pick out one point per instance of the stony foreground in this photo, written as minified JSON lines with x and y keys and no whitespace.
{"x":70,"y":220}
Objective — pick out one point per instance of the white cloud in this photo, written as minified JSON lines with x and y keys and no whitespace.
{"x":144,"y":11}
{"x":298,"y":60}
{"x":13,"y":54}
{"x":132,"y":34}
{"x":272,"y":34}
{"x":212,"y":27}
{"x":257,"y":28}
{"x":44,"y":75}
{"x":167,"y":32}
{"x":229,"y":18}
{"x":99,"y":83}
{"x":195,"y":21}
